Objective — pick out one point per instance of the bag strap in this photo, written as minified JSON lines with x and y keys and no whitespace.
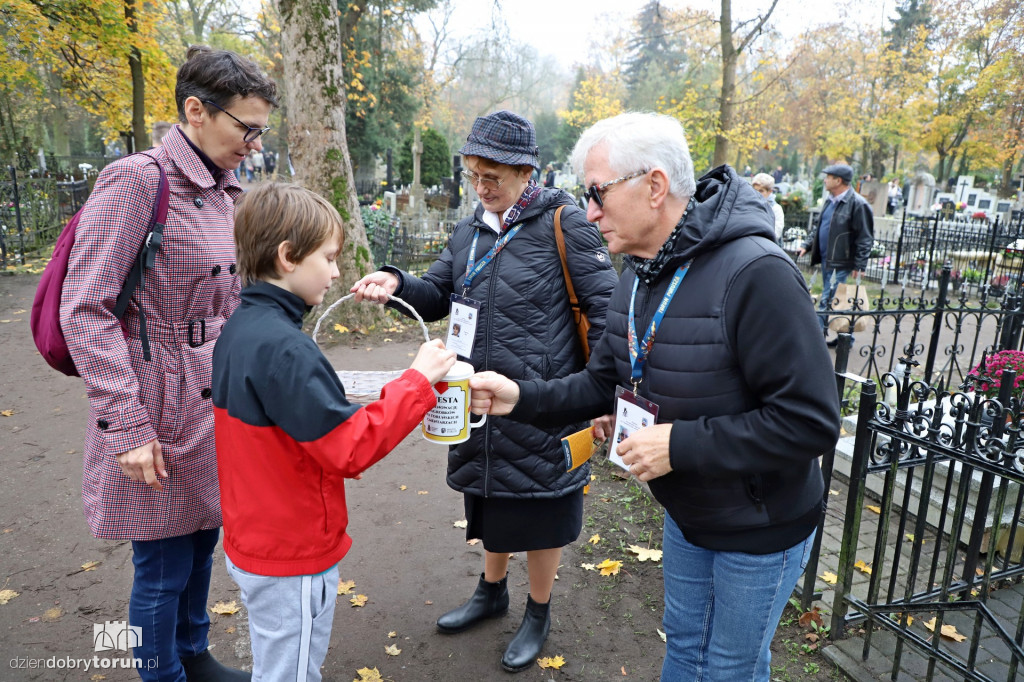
{"x":560,"y":240}
{"x":146,"y":258}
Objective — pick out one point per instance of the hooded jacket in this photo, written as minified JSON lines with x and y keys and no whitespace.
{"x":525,"y":331}
{"x":738,"y":367}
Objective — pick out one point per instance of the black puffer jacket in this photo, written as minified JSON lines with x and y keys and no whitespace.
{"x":526,"y":331}
{"x":738,"y":367}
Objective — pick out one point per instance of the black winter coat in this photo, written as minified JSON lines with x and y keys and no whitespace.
{"x":850,"y":235}
{"x":526,"y":331}
{"x":738,"y":367}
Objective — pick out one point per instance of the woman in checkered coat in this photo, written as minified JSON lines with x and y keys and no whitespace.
{"x":150,"y":473}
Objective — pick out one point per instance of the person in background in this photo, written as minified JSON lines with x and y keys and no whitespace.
{"x":287,"y":438}
{"x":842,"y":239}
{"x":765,"y":186}
{"x":894,"y":198}
{"x":256,"y":157}
{"x":160,"y":129}
{"x":778,"y":174}
{"x":517,"y":493}
{"x":150,"y":470}
{"x":743,"y":415}
{"x":269,"y":162}
{"x":549,"y":176}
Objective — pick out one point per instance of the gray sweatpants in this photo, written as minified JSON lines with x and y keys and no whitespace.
{"x":290,"y":621}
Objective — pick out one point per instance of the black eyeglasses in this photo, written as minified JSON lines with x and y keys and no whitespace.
{"x":594,"y":193}
{"x":250,"y":132}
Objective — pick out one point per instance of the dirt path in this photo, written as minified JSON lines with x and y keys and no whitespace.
{"x":408,"y":559}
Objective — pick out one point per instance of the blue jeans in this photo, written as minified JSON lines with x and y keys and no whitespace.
{"x":722,"y":608}
{"x":172,"y":581}
{"x":830,"y":280}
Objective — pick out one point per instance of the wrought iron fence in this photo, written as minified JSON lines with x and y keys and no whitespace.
{"x":33,"y":211}
{"x":949,"y":469}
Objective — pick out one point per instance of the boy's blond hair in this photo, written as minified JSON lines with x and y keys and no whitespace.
{"x":276,"y":212}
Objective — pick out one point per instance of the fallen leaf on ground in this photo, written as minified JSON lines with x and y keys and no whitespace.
{"x":833,"y":492}
{"x":874,"y":508}
{"x":52,"y":614}
{"x":368,"y":675}
{"x":548,"y":662}
{"x":644,"y":554}
{"x":341,"y":329}
{"x":429,"y":603}
{"x":392,"y":634}
{"x":461,"y":524}
{"x":609,"y":567}
{"x":829,"y":577}
{"x":359,"y":600}
{"x":346,"y":586}
{"x":593,"y":477}
{"x":594,"y":539}
{"x":948,"y":631}
{"x":472,"y":541}
{"x":392,"y":650}
{"x":422,"y":492}
{"x":663,"y":636}
{"x":225,"y":608}
{"x":812,"y":616}
{"x":586,"y":490}
{"x":864,"y":568}
{"x":624,"y":673}
{"x":90,"y":565}
{"x":7,"y":413}
{"x":588,"y":567}
{"x":230,"y":629}
{"x":97,"y":678}
{"x":403,"y":487}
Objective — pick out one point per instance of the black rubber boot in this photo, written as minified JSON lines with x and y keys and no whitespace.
{"x":524,"y":648}
{"x":206,"y":668}
{"x":489,"y":601}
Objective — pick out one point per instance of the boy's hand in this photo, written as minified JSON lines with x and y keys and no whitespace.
{"x":433,"y":361}
{"x":493,"y":393}
{"x":376,"y":287}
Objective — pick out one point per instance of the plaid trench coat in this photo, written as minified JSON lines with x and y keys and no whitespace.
{"x":187,"y":297}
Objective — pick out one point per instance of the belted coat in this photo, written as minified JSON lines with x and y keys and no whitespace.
{"x":186,"y":297}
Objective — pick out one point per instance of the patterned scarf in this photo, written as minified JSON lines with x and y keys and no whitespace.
{"x":648,"y":269}
{"x":531,"y":192}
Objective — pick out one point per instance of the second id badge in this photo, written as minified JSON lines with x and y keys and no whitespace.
{"x":462,"y":320}
{"x":632,"y":413}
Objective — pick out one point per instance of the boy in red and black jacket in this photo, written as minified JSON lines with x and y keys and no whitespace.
{"x":286,"y":436}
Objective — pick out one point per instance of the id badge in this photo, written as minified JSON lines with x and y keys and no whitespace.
{"x":632,"y":413}
{"x":462,"y":320}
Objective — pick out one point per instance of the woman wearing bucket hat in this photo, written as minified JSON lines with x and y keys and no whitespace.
{"x":504,"y":259}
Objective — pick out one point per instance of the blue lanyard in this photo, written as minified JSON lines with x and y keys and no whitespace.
{"x":473,"y":270}
{"x":638,"y":351}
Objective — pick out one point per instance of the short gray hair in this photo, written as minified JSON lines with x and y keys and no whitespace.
{"x":763,"y":180}
{"x":641,"y":141}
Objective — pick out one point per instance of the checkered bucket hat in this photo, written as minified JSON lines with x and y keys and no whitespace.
{"x":503,"y":137}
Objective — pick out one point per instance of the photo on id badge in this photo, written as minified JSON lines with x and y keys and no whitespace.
{"x":462,"y":319}
{"x":632,"y":413}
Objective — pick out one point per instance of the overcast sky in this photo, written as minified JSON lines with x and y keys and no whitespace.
{"x":569,"y":30}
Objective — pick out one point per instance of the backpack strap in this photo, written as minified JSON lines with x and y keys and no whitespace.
{"x":146,"y":258}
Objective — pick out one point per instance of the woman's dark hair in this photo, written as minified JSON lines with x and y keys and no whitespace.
{"x":220,"y":76}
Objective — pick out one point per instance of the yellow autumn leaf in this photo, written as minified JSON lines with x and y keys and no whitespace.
{"x":346,"y":586}
{"x":874,"y":508}
{"x":341,"y":329}
{"x":422,"y":492}
{"x":392,"y":650}
{"x":548,"y":662}
{"x":368,"y":675}
{"x":359,"y":600}
{"x":392,"y":634}
{"x":833,"y":492}
{"x":609,"y":567}
{"x":461,"y":524}
{"x":225,"y":608}
{"x":97,"y":677}
{"x":403,"y":487}
{"x":948,"y":631}
{"x":90,"y":565}
{"x":586,"y":490}
{"x":864,"y":568}
{"x":7,"y":595}
{"x":829,"y":577}
{"x":594,"y":539}
{"x":644,"y":554}
{"x":7,"y":413}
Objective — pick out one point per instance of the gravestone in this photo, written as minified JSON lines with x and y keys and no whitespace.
{"x":876,"y":193}
{"x":919,"y":199}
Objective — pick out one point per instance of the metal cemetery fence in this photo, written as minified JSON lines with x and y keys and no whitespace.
{"x":33,"y":211}
{"x":949,"y":469}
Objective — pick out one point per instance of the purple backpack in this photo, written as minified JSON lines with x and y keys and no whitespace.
{"x":45,"y":319}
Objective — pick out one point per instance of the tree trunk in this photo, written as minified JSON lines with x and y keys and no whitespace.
{"x":726,"y":106}
{"x":139,"y":132}
{"x":315,"y":100}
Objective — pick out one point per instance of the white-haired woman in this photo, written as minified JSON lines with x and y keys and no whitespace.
{"x":765,"y":186}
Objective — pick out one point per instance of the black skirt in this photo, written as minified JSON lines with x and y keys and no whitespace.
{"x":524,"y":524}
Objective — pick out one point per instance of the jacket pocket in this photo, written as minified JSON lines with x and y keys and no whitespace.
{"x":170,"y":414}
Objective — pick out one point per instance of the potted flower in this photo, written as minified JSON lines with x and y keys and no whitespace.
{"x":988,"y":373}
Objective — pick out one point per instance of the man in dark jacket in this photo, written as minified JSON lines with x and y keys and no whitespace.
{"x":846,"y":228}
{"x":733,"y":358}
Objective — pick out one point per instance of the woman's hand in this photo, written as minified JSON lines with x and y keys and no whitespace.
{"x":493,"y":393}
{"x":144,"y":463}
{"x":646,"y":452}
{"x":377,"y":287}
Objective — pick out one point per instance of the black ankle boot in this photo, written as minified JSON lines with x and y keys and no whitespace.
{"x":529,"y":639}
{"x":489,"y":601}
{"x":206,"y":668}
